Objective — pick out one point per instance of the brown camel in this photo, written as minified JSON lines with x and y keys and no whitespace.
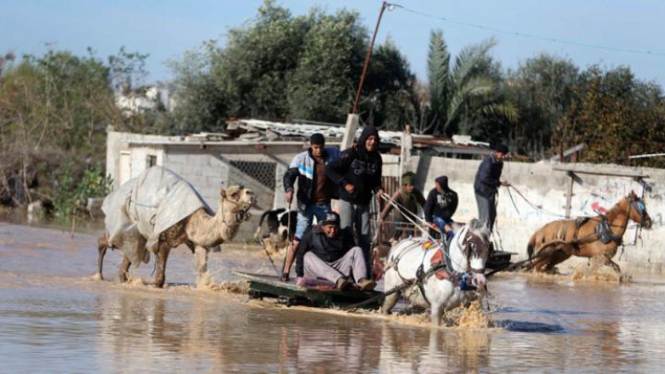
{"x":200,"y":231}
{"x":559,"y":240}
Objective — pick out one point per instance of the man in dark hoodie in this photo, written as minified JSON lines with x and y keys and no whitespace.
{"x":314,"y":190}
{"x":357,"y":172}
{"x":486,"y":185}
{"x":329,"y":253}
{"x":440,"y":206}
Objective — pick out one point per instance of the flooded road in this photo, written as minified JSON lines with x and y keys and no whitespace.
{"x":55,"y":318}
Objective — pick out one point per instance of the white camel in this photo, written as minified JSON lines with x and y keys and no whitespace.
{"x":158,"y":211}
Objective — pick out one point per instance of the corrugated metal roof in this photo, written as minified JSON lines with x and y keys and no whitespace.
{"x":252,"y":132}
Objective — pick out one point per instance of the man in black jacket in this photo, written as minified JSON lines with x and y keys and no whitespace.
{"x":440,"y":206}
{"x":314,"y":190}
{"x":357,"y":172}
{"x":330,"y":253}
{"x":486,"y":185}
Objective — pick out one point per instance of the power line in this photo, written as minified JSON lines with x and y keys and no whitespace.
{"x":527,"y":35}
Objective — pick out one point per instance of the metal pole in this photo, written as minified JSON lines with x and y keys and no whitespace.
{"x":369,"y":54}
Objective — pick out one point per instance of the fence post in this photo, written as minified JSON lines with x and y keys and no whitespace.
{"x":405,"y":152}
{"x":569,"y":193}
{"x":352,"y":121}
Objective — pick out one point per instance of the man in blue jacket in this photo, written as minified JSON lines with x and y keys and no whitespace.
{"x":314,"y":190}
{"x":486,"y":185}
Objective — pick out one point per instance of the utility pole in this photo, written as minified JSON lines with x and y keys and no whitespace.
{"x":353,"y":120}
{"x":369,"y":55}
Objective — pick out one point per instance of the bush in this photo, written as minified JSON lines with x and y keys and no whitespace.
{"x":70,"y":193}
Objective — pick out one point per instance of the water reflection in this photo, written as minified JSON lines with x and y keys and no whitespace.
{"x":53,"y":319}
{"x":112,"y":328}
{"x":156,"y":332}
{"x":405,"y":350}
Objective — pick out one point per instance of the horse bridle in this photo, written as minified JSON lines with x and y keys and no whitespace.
{"x":469,"y":244}
{"x":638,"y":205}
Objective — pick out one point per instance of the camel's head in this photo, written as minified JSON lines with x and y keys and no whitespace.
{"x":237,"y":199}
{"x":638,"y":211}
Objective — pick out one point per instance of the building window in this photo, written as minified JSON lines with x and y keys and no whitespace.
{"x":262,"y":172}
{"x":150,"y":161}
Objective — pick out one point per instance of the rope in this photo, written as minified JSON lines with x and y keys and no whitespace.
{"x":534,"y":206}
{"x":143,"y":205}
{"x":270,"y":258}
{"x":289,"y":241}
{"x":528,"y":35}
{"x":418,"y":280}
{"x":513,"y":201}
{"x":495,"y":233}
{"x":407,"y":213}
{"x":425,"y":233}
{"x":539,"y":208}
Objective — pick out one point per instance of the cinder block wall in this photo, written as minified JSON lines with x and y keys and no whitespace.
{"x":208,"y":170}
{"x":546,"y":187}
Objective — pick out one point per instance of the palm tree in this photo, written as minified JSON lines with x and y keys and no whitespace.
{"x":459,"y":91}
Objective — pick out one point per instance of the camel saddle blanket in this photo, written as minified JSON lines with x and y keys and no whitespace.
{"x":146,"y":206}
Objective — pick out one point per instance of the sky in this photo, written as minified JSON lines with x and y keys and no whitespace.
{"x":165,"y":29}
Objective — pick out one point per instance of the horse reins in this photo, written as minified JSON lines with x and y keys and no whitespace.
{"x":539,"y":207}
{"x":426,"y":234}
{"x":422,"y":275}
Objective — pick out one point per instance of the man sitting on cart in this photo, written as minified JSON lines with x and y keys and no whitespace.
{"x":326,"y":252}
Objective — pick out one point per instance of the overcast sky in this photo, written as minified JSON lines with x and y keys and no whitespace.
{"x":164,"y":29}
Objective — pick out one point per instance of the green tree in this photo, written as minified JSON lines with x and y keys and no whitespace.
{"x":52,"y":108}
{"x":202,"y":105}
{"x":542,"y":89}
{"x":127,"y":70}
{"x":389,"y":92}
{"x":278,"y":66}
{"x":616,"y":116}
{"x":461,"y":89}
{"x":323,"y":84}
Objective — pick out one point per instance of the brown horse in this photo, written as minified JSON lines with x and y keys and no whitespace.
{"x":593,"y":237}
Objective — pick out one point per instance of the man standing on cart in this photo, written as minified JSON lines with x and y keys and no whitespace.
{"x":314,"y":190}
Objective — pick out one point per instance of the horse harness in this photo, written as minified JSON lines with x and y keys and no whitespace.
{"x":603,"y":231}
{"x":441,"y":267}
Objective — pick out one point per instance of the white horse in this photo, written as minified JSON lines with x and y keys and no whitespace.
{"x":439,"y":280}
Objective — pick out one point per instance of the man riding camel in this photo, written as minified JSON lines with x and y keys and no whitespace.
{"x":330,"y":253}
{"x":314,"y":190}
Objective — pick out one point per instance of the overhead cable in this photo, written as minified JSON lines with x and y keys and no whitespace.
{"x":527,"y":35}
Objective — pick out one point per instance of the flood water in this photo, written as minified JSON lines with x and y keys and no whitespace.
{"x":55,"y":318}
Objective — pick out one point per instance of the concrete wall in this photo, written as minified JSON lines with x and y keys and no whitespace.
{"x":117,"y":143}
{"x":546,"y":188}
{"x":208,"y":168}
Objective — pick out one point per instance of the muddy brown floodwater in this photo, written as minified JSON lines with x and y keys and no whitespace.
{"x":55,"y":318}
